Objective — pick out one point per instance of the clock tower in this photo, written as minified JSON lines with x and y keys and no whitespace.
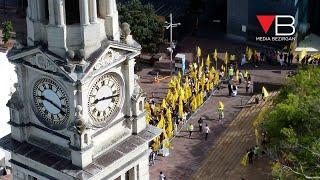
{"x":78,"y":111}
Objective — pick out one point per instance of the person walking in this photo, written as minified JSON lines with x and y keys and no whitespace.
{"x":207,"y":130}
{"x":200,"y":121}
{"x":248,"y":85}
{"x":245,"y":75}
{"x":230,"y":87}
{"x":290,"y":58}
{"x":190,"y":129}
{"x":162,"y":176}
{"x":221,"y":110}
{"x":231,"y":72}
{"x":250,"y":156}
{"x":175,"y":128}
{"x":240,"y":77}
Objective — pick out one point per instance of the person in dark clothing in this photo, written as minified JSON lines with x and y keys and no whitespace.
{"x":285,"y":57}
{"x":229,"y":87}
{"x":290,"y":58}
{"x":250,"y":156}
{"x":200,"y":121}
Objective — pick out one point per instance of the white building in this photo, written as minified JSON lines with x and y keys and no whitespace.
{"x":77,"y":112}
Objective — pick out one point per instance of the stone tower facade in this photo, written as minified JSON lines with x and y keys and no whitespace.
{"x":78,"y":111}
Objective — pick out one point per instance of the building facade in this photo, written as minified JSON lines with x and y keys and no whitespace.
{"x":78,"y":110}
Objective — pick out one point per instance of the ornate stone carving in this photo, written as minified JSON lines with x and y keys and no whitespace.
{"x":81,"y":124}
{"x":126,"y":32}
{"x":42,"y":62}
{"x":137,"y":91}
{"x":108,"y":58}
{"x":15,"y":101}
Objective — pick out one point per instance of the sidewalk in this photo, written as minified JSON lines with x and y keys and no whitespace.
{"x":187,"y":154}
{"x":223,"y":160}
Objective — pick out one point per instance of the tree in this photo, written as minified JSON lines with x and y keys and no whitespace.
{"x":293,"y":127}
{"x":6,"y":30}
{"x":146,"y":27}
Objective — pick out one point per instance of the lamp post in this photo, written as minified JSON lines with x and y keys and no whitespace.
{"x":172,"y":45}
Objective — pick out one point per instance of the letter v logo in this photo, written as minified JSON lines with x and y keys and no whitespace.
{"x":266,"y":21}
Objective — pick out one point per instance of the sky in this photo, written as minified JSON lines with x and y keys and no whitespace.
{"x":7,"y":79}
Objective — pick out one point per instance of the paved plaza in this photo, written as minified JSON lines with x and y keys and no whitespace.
{"x":188,"y":157}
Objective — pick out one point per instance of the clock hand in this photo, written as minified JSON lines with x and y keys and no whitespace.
{"x":51,"y":102}
{"x":105,"y":98}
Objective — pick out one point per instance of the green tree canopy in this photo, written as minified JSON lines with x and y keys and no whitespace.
{"x":6,"y":30}
{"x":293,"y":127}
{"x":146,"y":27}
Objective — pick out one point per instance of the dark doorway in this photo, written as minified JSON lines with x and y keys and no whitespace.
{"x":72,"y":12}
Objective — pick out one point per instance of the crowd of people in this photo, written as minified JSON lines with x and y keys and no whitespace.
{"x":185,"y":95}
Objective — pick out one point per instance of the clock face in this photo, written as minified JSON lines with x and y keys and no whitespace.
{"x":51,"y":103}
{"x":105,"y":98}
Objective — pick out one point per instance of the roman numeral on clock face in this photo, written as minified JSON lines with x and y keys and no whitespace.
{"x":51,"y":102}
{"x":104,"y":97}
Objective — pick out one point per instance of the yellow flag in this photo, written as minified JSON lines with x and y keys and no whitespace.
{"x":172,"y":83}
{"x":249,"y":54}
{"x":169,"y":121}
{"x":221,"y":105}
{"x":302,"y":54}
{"x":200,"y":68}
{"x":256,"y":132}
{"x":193,"y":103}
{"x":208,"y":61}
{"x":161,"y":122}
{"x":179,"y":77}
{"x":169,"y":95}
{"x":163,"y":104}
{"x":237,"y":75}
{"x":147,"y":106}
{"x":215,"y":55}
{"x":181,"y":94}
{"x":180,"y":110}
{"x":198,"y":52}
{"x":223,"y":68}
{"x":148,"y":117}
{"x":293,"y":47}
{"x":212,"y":70}
{"x":244,"y":160}
{"x":226,"y":58}
{"x":232,"y":57}
{"x":265,"y":92}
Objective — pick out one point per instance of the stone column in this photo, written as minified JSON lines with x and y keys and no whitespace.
{"x":60,"y":12}
{"x":129,"y":80}
{"x":39,"y":9}
{"x":32,"y":9}
{"x":84,"y":12}
{"x":29,"y":9}
{"x":51,"y":12}
{"x":93,"y":11}
{"x":109,"y":7}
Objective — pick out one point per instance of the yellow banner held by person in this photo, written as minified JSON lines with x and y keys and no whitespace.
{"x":215,"y":55}
{"x":221,"y":105}
{"x":265,"y":92}
{"x":198,"y":52}
{"x":208,"y":61}
{"x":302,"y":54}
